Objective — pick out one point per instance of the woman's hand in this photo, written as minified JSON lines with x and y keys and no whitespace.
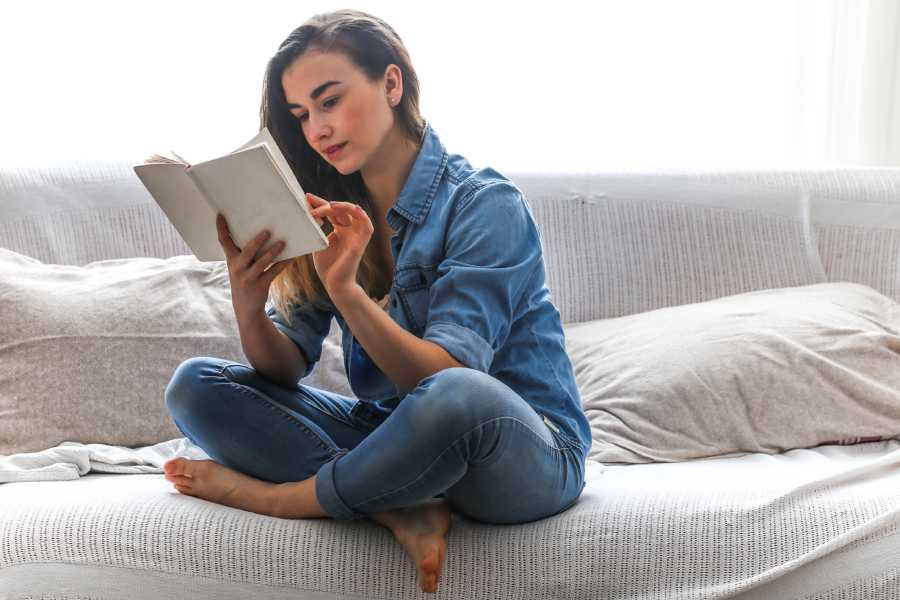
{"x":249,"y":283}
{"x":337,"y":265}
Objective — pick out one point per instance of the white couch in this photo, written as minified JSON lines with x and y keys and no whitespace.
{"x":809,"y":523}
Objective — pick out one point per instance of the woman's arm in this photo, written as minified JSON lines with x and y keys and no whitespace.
{"x":404,"y":358}
{"x":271,"y":352}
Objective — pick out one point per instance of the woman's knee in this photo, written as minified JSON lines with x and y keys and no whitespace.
{"x":459,"y":395}
{"x":190,"y":382}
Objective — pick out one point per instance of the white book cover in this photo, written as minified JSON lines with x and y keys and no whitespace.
{"x":252,"y":186}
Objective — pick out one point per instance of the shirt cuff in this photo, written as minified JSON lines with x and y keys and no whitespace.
{"x":462,"y":343}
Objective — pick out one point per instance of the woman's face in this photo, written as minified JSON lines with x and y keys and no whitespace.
{"x":353,"y":112}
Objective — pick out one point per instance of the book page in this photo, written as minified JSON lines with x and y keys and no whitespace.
{"x":156,"y":158}
{"x":264,"y":138}
{"x":252,"y":193}
{"x":184,"y":205}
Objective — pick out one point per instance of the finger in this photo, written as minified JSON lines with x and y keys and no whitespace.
{"x":249,"y":252}
{"x":225,"y":240}
{"x":315,"y":200}
{"x":354,"y":212}
{"x":275,"y":270}
{"x":352,"y":209}
{"x":330,"y":213}
{"x":266,"y":259}
{"x":340,"y":213}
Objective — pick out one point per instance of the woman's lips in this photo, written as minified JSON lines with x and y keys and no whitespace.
{"x":334,"y":153}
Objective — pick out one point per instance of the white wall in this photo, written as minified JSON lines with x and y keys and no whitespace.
{"x":550,"y":86}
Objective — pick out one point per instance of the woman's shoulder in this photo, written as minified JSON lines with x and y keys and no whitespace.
{"x":483,"y":183}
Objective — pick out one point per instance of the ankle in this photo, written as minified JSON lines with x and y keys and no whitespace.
{"x":388,"y":518}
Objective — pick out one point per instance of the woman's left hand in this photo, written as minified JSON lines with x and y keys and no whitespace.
{"x":352,"y":229}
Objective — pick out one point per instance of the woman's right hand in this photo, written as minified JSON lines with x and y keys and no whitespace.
{"x":249,"y":282}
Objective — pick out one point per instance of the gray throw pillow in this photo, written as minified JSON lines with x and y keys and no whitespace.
{"x":86,"y":352}
{"x":765,"y":371}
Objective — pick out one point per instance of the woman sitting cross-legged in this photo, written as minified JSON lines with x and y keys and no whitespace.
{"x":465,"y":396}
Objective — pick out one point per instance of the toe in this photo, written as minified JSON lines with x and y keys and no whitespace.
{"x":429,"y":584}
{"x":179,"y":480}
{"x":181,"y":467}
{"x":428,"y":571}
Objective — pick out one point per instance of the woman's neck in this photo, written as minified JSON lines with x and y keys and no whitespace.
{"x":386,"y":174}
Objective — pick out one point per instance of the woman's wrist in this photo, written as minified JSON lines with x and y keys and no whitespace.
{"x":347,"y":294}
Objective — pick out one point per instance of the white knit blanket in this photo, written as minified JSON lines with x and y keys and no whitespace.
{"x":71,"y":460}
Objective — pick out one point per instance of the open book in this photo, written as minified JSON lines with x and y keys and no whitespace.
{"x":253,"y":187}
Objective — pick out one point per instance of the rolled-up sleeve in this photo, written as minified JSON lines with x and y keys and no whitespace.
{"x":492,"y":250}
{"x":308,"y":328}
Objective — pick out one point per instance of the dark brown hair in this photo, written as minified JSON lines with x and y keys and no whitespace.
{"x":371,"y":45}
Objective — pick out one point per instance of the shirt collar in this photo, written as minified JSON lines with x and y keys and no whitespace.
{"x":421,"y":186}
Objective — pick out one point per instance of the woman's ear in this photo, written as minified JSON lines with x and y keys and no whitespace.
{"x":393,"y":83}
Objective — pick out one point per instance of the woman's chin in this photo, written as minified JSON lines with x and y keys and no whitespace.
{"x":344,"y":169}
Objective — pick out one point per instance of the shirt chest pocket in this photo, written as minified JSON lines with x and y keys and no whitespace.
{"x":413,"y":287}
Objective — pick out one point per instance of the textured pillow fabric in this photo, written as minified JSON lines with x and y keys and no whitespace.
{"x":765,"y":371}
{"x":86,"y":352}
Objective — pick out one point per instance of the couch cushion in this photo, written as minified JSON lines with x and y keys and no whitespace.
{"x":617,"y":245}
{"x":855,"y":212}
{"x":826,"y":518}
{"x":76,"y":212}
{"x":764,"y":371}
{"x":87,"y":352}
{"x":705,"y":228}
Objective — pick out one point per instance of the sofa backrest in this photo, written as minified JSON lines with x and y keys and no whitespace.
{"x":615,"y":243}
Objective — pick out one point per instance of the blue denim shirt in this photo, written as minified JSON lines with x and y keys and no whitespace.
{"x":469,"y":277}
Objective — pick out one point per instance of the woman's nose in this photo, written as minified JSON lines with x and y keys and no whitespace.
{"x":320,"y":128}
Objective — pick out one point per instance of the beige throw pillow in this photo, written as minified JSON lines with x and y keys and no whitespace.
{"x":86,"y":352}
{"x":764,"y":371}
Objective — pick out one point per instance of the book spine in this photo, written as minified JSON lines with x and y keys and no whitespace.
{"x":203,"y":191}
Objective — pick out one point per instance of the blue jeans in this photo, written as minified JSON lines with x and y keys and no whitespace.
{"x":461,"y":435}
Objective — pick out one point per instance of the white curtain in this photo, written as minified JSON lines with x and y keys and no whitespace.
{"x":848,"y":81}
{"x":554,"y":87}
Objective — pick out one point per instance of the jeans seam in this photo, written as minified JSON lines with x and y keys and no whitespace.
{"x":254,"y":393}
{"x":300,"y":390}
{"x":328,"y":414}
{"x":453,"y":443}
{"x":568,"y":442}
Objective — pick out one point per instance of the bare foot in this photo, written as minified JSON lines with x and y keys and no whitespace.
{"x":217,"y":483}
{"x":421,"y":530}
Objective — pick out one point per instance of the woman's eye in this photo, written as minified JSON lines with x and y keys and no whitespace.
{"x":327,"y":103}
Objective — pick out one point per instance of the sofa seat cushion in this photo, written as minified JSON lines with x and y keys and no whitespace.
{"x":827,"y":517}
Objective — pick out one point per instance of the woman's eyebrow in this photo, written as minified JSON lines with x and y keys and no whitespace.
{"x":315,"y":93}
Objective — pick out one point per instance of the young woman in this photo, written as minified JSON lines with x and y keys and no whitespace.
{"x":465,"y":397}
